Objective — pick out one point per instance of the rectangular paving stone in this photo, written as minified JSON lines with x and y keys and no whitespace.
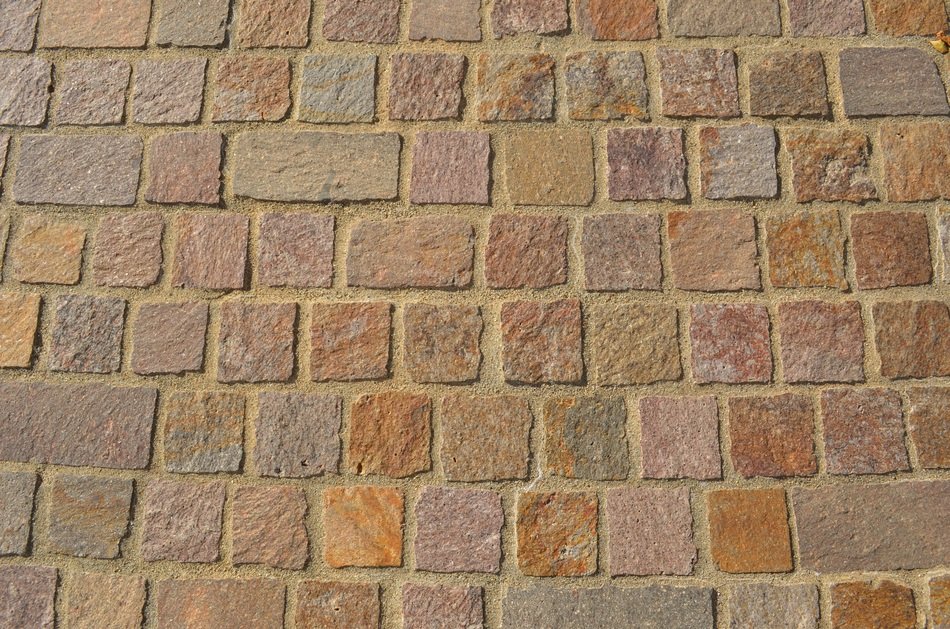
{"x":806,"y":249}
{"x":426,"y":86}
{"x":45,"y":251}
{"x":891,"y":249}
{"x":26,"y":596}
{"x":526,"y":251}
{"x":458,"y":530}
{"x":699,"y":81}
{"x":550,"y":167}
{"x":724,"y":18}
{"x":85,"y":24}
{"x":916,"y":160}
{"x":863,"y":431}
{"x":693,"y":233}
{"x":738,"y":162}
{"x":95,"y":600}
{"x":606,"y":85}
{"x":185,"y":168}
{"x":337,"y":605}
{"x":830,"y":165}
{"x":237,"y":603}
{"x":646,"y":164}
{"x":618,"y":20}
{"x":256,"y":342}
{"x":679,"y":437}
{"x":18,"y":24}
{"x":169,"y":337}
{"x":485,"y":438}
{"x":338,"y":89}
{"x":891,"y":82}
{"x":557,"y":533}
{"x":168,"y":91}
{"x":88,"y":515}
{"x":269,"y":527}
{"x":585,"y":437}
{"x":748,"y":530}
{"x":350,"y":341}
{"x":92,"y":92}
{"x":515,"y":87}
{"x":909,"y":17}
{"x":651,"y":531}
{"x":543,"y":17}
{"x":622,"y":252}
{"x":789,"y":84}
{"x":373,"y":21}
{"x":251,"y":88}
{"x":426,"y":606}
{"x":87,"y":334}
{"x":272,"y":23}
{"x":447,"y":21}
{"x":817,"y":18}
{"x":451,"y":167}
{"x":296,"y":250}
{"x":128,"y":249}
{"x":204,"y":432}
{"x":369,"y":522}
{"x":24,"y":90}
{"x":182,"y":521}
{"x":16,"y":511}
{"x":189,"y":23}
{"x":755,"y":605}
{"x":929,"y":428}
{"x":633,"y":344}
{"x":390,"y":434}
{"x":19,"y":317}
{"x":297,"y":435}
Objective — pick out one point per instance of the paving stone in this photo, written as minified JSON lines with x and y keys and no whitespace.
{"x":269,"y":527}
{"x":622,"y":252}
{"x":806,"y":249}
{"x":790,"y":83}
{"x":699,"y":82}
{"x":903,"y":17}
{"x":447,"y":21}
{"x":316,"y":167}
{"x":441,"y":606}
{"x":338,"y":605}
{"x":868,"y":604}
{"x":863,"y":431}
{"x":731,"y":233}
{"x":586,"y":438}
{"x":451,"y":167}
{"x":940,"y":602}
{"x":724,"y":18}
{"x":513,"y":87}
{"x":256,"y":342}
{"x":550,"y":167}
{"x":888,"y":526}
{"x":557,"y":534}
{"x":543,"y":17}
{"x":338,"y":88}
{"x":368,"y":522}
{"x":818,"y":18}
{"x":773,"y":435}
{"x":442,"y":342}
{"x":679,"y":438}
{"x":297,"y":435}
{"x":273,"y":23}
{"x":19,"y":317}
{"x":16,"y":512}
{"x":916,"y":161}
{"x":730,"y":343}
{"x":541,"y":342}
{"x":128,"y":250}
{"x":211,"y":252}
{"x":83,"y":24}
{"x":646,"y":163}
{"x":526,"y":251}
{"x":830,"y":165}
{"x":89,"y":515}
{"x":104,"y":601}
{"x":204,"y":432}
{"x":47,"y":252}
{"x":738,"y":162}
{"x":182,"y":522}
{"x":296,"y":250}
{"x":18,"y":24}
{"x":606,"y":85}
{"x":929,"y":428}
{"x":753,"y":605}
{"x":237,"y":603}
{"x":350,"y":341}
{"x":27,"y":596}
{"x":913,"y":338}
{"x":911,"y":85}
{"x":458,"y":530}
{"x":92,"y":92}
{"x":748,"y":530}
{"x":633,"y":344}
{"x":373,"y":21}
{"x":250,"y":88}
{"x":390,"y":434}
{"x":168,"y":91}
{"x":426,"y":86}
{"x":76,"y":424}
{"x":485,"y":438}
{"x":87,"y":334}
{"x":618,"y":20}
{"x":187,"y":23}
{"x":651,"y":531}
{"x":78,"y":169}
{"x":822,"y":341}
{"x":185,"y":168}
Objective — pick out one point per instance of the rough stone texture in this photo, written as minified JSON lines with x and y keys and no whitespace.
{"x":390,"y":434}
{"x":868,"y":604}
{"x":250,"y":88}
{"x":442,"y":342}
{"x":485,"y":438}
{"x":337,"y":89}
{"x":88,"y":515}
{"x":646,"y":163}
{"x":448,"y":21}
{"x":891,"y":249}
{"x":515,"y":87}
{"x":754,"y":605}
{"x":916,"y":161}
{"x":840,"y":528}
{"x":863,"y":431}
{"x":273,"y":23}
{"x":104,"y":601}
{"x":618,"y":20}
{"x":368,"y":523}
{"x":699,"y":82}
{"x":350,"y":341}
{"x":943,"y":234}
{"x":337,"y":605}
{"x":426,"y":86}
{"x":212,"y":251}
{"x":651,"y":531}
{"x":773,"y":435}
{"x":169,"y":337}
{"x":256,"y":342}
{"x":168,"y":91}
{"x":806,"y":249}
{"x":185,"y":168}
{"x":606,"y":85}
{"x":297,"y":435}
{"x":679,"y":438}
{"x":526,"y":251}
{"x":182,"y":522}
{"x":724,"y":18}
{"x":47,"y":252}
{"x":905,"y":17}
{"x":940,"y":602}
{"x":790,"y":83}
{"x":622,"y":252}
{"x":822,"y":341}
{"x":19,"y":317}
{"x":204,"y":432}
{"x":929,"y":428}
{"x":210,"y":603}
{"x":550,"y":167}
{"x":188,"y":23}
{"x":18,"y":24}
{"x":748,"y":530}
{"x":586,"y":438}
{"x":730,"y":343}
{"x":543,"y":17}
{"x":82,"y":425}
{"x":738,"y":162}
{"x":913,"y":338}
{"x":830,"y":165}
{"x":78,"y":169}
{"x":83,"y":24}
{"x":541,"y":342}
{"x":421,"y":252}
{"x":374,"y":21}
{"x":296,"y":250}
{"x":891,"y":82}
{"x":87,"y":334}
{"x":128,"y":250}
{"x":92,"y":92}
{"x":451,"y":167}
{"x":27,"y":596}
{"x":731,"y":232}
{"x":16,"y":511}
{"x":633,"y":344}
{"x":458,"y":530}
{"x":557,"y":534}
{"x":824,"y":18}
{"x":269,"y":527}
{"x":425,"y":606}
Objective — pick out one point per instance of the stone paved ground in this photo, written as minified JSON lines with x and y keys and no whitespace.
{"x":461,"y":313}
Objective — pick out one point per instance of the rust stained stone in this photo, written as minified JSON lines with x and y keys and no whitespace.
{"x":622,"y":252}
{"x":928,"y":417}
{"x":633,"y":344}
{"x":458,"y":530}
{"x":426,"y":86}
{"x":806,"y":250}
{"x":679,"y":437}
{"x":211,"y":252}
{"x":350,"y":341}
{"x":731,"y":233}
{"x":526,"y":251}
{"x":748,"y":530}
{"x":19,"y":317}
{"x":89,"y":515}
{"x":269,"y":527}
{"x":297,"y":435}
{"x":909,"y":17}
{"x":557,"y":534}
{"x":185,"y":168}
{"x":830,"y":165}
{"x":442,"y":342}
{"x":646,"y":163}
{"x":773,"y":435}
{"x":390,"y":434}
{"x":204,"y":432}
{"x":606,"y":85}
{"x":104,"y":601}
{"x":515,"y":87}
{"x":169,"y":337}
{"x":730,"y":343}
{"x":867,"y":604}
{"x":789,"y":84}
{"x":248,"y":88}
{"x":891,"y":249}
{"x":543,"y":17}
{"x":541,"y":342}
{"x":256,"y":342}
{"x":698,"y":82}
{"x":128,"y":250}
{"x":913,"y":338}
{"x":940,"y":602}
{"x":374,"y":21}
{"x":485,"y":438}
{"x":273,"y":23}
{"x":916,"y":161}
{"x":296,"y":250}
{"x":451,"y":167}
{"x":367,"y":523}
{"x":864,"y":431}
{"x":212,"y":603}
{"x":618,"y":20}
{"x":822,"y":341}
{"x":550,"y":167}
{"x":47,"y":252}
{"x":337,"y":605}
{"x":586,"y":438}
{"x":182,"y":521}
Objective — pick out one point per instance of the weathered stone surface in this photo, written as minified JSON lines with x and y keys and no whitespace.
{"x":313,"y":166}
{"x":890,"y":526}
{"x":868,"y":604}
{"x":606,"y":85}
{"x":337,"y":605}
{"x":296,"y":250}
{"x":211,"y":252}
{"x":187,"y":23}
{"x":557,"y":533}
{"x":204,"y":432}
{"x":442,"y":342}
{"x":679,"y":438}
{"x":618,"y":20}
{"x":738,"y":162}
{"x":249,"y":88}
{"x":448,"y":21}
{"x":724,"y":18}
{"x":541,"y":342}
{"x":790,"y":83}
{"x":830,"y":165}
{"x":515,"y":87}
{"x":451,"y":167}
{"x":269,"y":527}
{"x":633,"y":344}
{"x":909,"y":17}
{"x":182,"y":522}
{"x":916,"y":161}
{"x":543,"y":17}
{"x":822,"y":341}
{"x":526,"y":251}
{"x":168,"y":91}
{"x":426,"y":86}
{"x":16,"y":511}
{"x":891,"y":82}
{"x":210,"y":603}
{"x":754,"y":605}
{"x":485,"y":438}
{"x":19,"y":317}
{"x":128,"y":250}
{"x":256,"y":342}
{"x":426,"y":606}
{"x":943,"y":233}
{"x":730,"y":343}
{"x":651,"y":531}
{"x":607,"y":607}
{"x":350,"y":341}
{"x":390,"y":434}
{"x":18,"y":24}
{"x":83,"y":425}
{"x":458,"y":530}
{"x":89,"y":515}
{"x":586,"y":438}
{"x":47,"y":252}
{"x":699,"y":82}
{"x":87,"y":334}
{"x":731,"y":233}
{"x":374,"y":21}
{"x":806,"y":249}
{"x":773,"y":435}
{"x":929,"y":428}
{"x":297,"y":435}
{"x":27,"y":596}
{"x":83,"y":24}
{"x":863,"y":431}
{"x":940,"y":602}
{"x":335,"y":88}
{"x":646,"y":163}
{"x":185,"y":168}
{"x":92,"y":91}
{"x":622,"y":252}
{"x":95,"y":600}
{"x":748,"y":530}
{"x":550,"y":167}
{"x":367,"y":522}
{"x":820,"y":18}
{"x":913,"y":338}
{"x":273,"y":23}
{"x":78,"y":169}
{"x":169,"y":337}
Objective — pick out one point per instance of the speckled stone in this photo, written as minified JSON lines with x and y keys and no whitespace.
{"x":185,"y":168}
{"x":541,"y":342}
{"x":349,"y":341}
{"x":557,"y":534}
{"x":19,"y":318}
{"x":237,"y":603}
{"x":128,"y":249}
{"x":869,"y":604}
{"x":633,"y":344}
{"x":731,"y":232}
{"x":89,"y":515}
{"x":821,"y":341}
{"x":940,"y":602}
{"x":256,"y":342}
{"x":824,"y":18}
{"x":169,"y":337}
{"x":646,"y":164}
{"x":249,"y":88}
{"x":806,"y":249}
{"x":296,"y":250}
{"x":297,"y":435}
{"x":550,"y":167}
{"x":27,"y":596}
{"x":427,"y":606}
{"x":83,"y":24}
{"x":929,"y":428}
{"x":909,"y":17}
{"x":515,"y":87}
{"x":211,"y":252}
{"x":830,"y":165}
{"x":724,"y":18}
{"x":368,"y":523}
{"x":586,"y":438}
{"x":891,"y":82}
{"x":96,"y":600}
{"x":485,"y":438}
{"x":426,"y":86}
{"x":338,"y":605}
{"x":442,"y":342}
{"x":526,"y":251}
{"x":651,"y":531}
{"x":182,"y":521}
{"x":863,"y":431}
{"x":269,"y":527}
{"x":543,"y":17}
{"x":738,"y":162}
{"x":92,"y":91}
{"x":204,"y":432}
{"x":16,"y":511}
{"x":699,"y":82}
{"x":789,"y":84}
{"x":618,"y":20}
{"x":458,"y":530}
{"x":773,"y":436}
{"x":451,"y":167}
{"x":25,"y":84}
{"x":622,"y":252}
{"x":168,"y":91}
{"x":891,"y":249}
{"x":748,"y":530}
{"x":338,"y":89}
{"x":44,"y":251}
{"x":87,"y":334}
{"x":390,"y":434}
{"x":189,"y":23}
{"x":273,"y":23}
{"x":913,"y":338}
{"x":756,"y":605}
{"x":606,"y":85}
{"x":372,"y":21}
{"x":916,"y":160}
{"x":18,"y":24}
{"x":730,"y":343}
{"x":679,"y":438}
{"x":448,"y":21}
